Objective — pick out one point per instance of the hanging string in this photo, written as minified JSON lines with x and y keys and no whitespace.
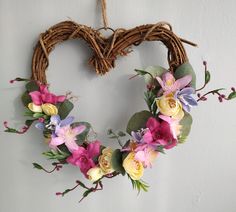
{"x":104,"y":13}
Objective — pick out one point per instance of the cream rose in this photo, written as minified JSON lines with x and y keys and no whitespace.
{"x":49,"y":109}
{"x":105,"y":161}
{"x":35,"y":108}
{"x":95,"y":174}
{"x":133,"y":167}
{"x":170,"y":106}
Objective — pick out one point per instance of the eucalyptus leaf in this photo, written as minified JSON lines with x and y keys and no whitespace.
{"x":26,"y":99}
{"x":65,"y":108}
{"x":32,"y":86}
{"x":117,"y":162}
{"x":186,"y":69}
{"x":186,"y":123}
{"x":154,"y":71}
{"x":138,"y":121}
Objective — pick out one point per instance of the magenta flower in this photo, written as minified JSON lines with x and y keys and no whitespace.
{"x":170,"y":85}
{"x":66,"y":135}
{"x":159,"y":134}
{"x":83,"y":157}
{"x":44,"y":96}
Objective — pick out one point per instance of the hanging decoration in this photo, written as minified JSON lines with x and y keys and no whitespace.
{"x":165,"y":123}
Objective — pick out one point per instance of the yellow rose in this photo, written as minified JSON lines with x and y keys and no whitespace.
{"x":133,"y":167}
{"x":169,"y":106}
{"x":95,"y":174}
{"x":49,"y":109}
{"x":105,"y":161}
{"x":35,"y":108}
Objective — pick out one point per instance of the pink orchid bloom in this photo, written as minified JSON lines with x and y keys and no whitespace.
{"x":174,"y":125}
{"x":83,"y":157}
{"x":146,"y":156}
{"x":66,"y":135}
{"x":159,"y":134}
{"x":170,"y":85}
{"x":44,"y":96}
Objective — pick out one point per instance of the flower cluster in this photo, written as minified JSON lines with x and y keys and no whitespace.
{"x":167,"y":123}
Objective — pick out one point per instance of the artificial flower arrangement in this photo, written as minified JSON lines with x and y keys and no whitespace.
{"x":167,"y":123}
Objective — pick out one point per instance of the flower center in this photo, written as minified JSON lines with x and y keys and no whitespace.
{"x":172,"y":103}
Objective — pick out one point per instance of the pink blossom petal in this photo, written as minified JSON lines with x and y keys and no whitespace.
{"x":160,"y":82}
{"x":168,"y":77}
{"x":61,"y":98}
{"x":71,"y":145}
{"x":152,"y":124}
{"x":182,"y":82}
{"x":78,"y":130}
{"x":56,"y":141}
{"x":94,"y":149}
{"x":36,"y":97}
{"x":147,"y":137}
{"x":43,"y":88}
{"x":140,"y":156}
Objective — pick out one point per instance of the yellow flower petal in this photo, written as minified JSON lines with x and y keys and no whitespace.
{"x":49,"y":109}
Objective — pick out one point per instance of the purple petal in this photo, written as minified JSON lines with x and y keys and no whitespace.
{"x":40,"y":126}
{"x":136,"y":136}
{"x":186,"y":107}
{"x":187,"y":91}
{"x":183,"y":82}
{"x":190,"y":100}
{"x":67,"y":121}
{"x":55,"y":119}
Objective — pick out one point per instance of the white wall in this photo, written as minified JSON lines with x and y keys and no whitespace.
{"x":199,"y":176}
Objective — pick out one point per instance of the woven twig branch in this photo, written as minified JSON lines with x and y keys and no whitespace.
{"x":106,"y":50}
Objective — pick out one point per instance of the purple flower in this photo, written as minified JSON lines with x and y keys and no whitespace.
{"x":186,"y":99}
{"x":56,"y":122}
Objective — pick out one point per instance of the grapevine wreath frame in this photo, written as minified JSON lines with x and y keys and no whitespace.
{"x":170,"y":93}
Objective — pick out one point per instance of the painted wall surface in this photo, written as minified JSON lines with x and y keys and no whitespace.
{"x":199,"y":176}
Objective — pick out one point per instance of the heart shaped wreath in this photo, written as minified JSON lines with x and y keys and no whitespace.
{"x":170,"y":94}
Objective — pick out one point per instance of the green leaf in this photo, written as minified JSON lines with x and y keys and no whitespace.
{"x":109,"y":131}
{"x":82,"y":137}
{"x":121,"y":134}
{"x":153,"y":72}
{"x":207,"y":77}
{"x":186,"y":69}
{"x":117,"y":162}
{"x":38,"y":115}
{"x":26,"y":99}
{"x":232,"y":95}
{"x":139,"y":185}
{"x":32,"y":86}
{"x":37,"y":166}
{"x":65,"y":108}
{"x":138,"y":121}
{"x":29,"y":122}
{"x":56,"y":155}
{"x":186,"y":123}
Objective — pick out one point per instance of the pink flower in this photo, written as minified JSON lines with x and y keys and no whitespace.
{"x":146,"y":156}
{"x":174,"y":125}
{"x":159,"y":134}
{"x":83,"y":157}
{"x":44,"y":96}
{"x":170,"y":85}
{"x":67,"y":135}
